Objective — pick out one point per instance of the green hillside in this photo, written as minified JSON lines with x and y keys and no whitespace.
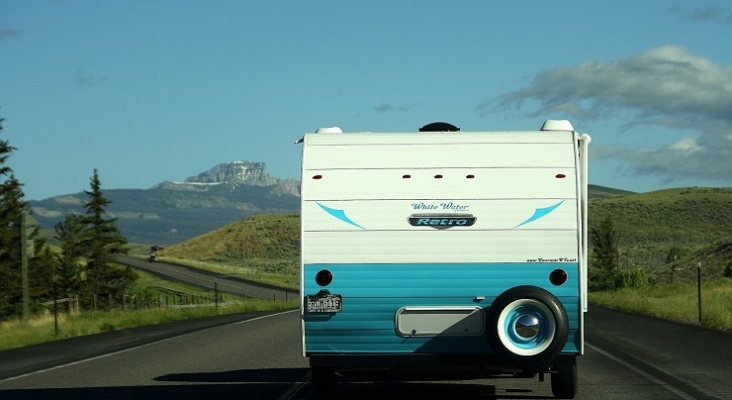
{"x":602,"y":192}
{"x":696,"y":220}
{"x":263,"y":242}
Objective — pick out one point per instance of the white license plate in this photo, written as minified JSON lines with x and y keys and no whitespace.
{"x":324,"y":303}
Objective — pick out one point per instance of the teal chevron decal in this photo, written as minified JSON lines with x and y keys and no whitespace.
{"x":340,"y":214}
{"x":540,"y":212}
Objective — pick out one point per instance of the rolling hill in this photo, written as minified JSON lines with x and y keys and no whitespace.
{"x":696,"y":220}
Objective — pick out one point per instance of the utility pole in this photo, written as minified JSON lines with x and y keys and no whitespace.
{"x":55,"y":308}
{"x":25,"y":225}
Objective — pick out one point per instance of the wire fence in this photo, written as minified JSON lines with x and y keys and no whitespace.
{"x":135,"y":302}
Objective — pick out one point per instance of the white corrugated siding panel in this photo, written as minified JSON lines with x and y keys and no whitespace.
{"x":435,"y":246}
{"x":514,"y":173}
{"x":487,"y":183}
{"x":424,"y":150}
{"x":448,"y":155}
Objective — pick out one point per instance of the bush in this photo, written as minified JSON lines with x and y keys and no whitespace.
{"x":106,"y":327}
{"x":631,"y":278}
{"x":634,"y":278}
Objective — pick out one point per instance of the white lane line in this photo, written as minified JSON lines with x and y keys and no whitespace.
{"x":295,"y":388}
{"x":142,"y":346}
{"x":644,"y":374}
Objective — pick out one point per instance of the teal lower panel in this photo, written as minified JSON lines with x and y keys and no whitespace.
{"x":368,"y":326}
{"x":372,"y":294}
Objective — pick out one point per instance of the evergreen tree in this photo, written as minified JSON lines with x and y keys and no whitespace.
{"x":41,"y":269}
{"x":102,"y":242}
{"x":604,"y":240}
{"x":11,"y":205}
{"x":70,"y":233}
{"x":5,"y":151}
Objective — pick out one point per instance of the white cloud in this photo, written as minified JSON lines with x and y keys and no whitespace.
{"x":666,"y":87}
{"x":685,"y":144}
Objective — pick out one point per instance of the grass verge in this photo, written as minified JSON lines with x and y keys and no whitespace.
{"x":41,"y":329}
{"x":244,"y":272}
{"x":675,"y":301}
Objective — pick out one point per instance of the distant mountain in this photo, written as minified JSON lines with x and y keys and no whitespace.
{"x":171,"y":212}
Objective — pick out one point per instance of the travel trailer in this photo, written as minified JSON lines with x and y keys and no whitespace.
{"x":443,"y":254}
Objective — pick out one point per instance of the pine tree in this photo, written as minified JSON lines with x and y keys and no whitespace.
{"x":5,"y":151}
{"x":102,"y":242}
{"x":70,"y":233}
{"x":11,"y":205}
{"x":605,"y":275}
{"x":605,"y":245}
{"x":11,"y":291}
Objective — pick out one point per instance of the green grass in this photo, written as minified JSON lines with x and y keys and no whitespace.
{"x":151,"y":284}
{"x":285,"y":281}
{"x":40,"y":329}
{"x":677,"y":301}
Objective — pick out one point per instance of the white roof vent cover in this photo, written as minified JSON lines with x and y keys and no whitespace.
{"x":557,"y":125}
{"x":333,"y":129}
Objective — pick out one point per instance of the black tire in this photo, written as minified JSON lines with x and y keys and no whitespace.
{"x":325,"y":383}
{"x":564,"y":381}
{"x":529,"y":345}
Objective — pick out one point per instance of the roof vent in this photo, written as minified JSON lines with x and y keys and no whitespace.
{"x":333,"y":129}
{"x":557,"y":125}
{"x":439,"y":127}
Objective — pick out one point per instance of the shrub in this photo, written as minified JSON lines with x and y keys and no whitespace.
{"x":631,"y":278}
{"x":106,"y":327}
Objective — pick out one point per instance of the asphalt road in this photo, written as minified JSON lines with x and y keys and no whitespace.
{"x":205,"y":279}
{"x":258,"y":356}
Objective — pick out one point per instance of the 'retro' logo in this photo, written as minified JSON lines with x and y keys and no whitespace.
{"x":441,"y":221}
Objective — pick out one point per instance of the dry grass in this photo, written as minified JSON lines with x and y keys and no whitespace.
{"x":41,"y":329}
{"x":677,"y":301}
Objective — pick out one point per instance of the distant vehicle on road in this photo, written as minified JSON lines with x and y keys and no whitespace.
{"x":153,"y":255}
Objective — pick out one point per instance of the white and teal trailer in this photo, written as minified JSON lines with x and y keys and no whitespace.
{"x":444,"y":254}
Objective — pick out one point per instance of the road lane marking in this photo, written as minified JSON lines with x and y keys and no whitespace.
{"x":295,"y":388}
{"x":644,"y":374}
{"x":142,"y":346}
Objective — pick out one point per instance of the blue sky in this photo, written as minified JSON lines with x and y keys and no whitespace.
{"x":148,"y":91}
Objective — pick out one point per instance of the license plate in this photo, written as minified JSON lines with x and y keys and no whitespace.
{"x":324,"y":303}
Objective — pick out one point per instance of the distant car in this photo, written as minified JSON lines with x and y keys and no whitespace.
{"x":153,"y":259}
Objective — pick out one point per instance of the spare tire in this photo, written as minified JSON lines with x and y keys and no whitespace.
{"x":527,"y":326}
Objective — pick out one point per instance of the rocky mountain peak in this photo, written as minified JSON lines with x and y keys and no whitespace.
{"x":238,"y":172}
{"x":233,"y":177}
